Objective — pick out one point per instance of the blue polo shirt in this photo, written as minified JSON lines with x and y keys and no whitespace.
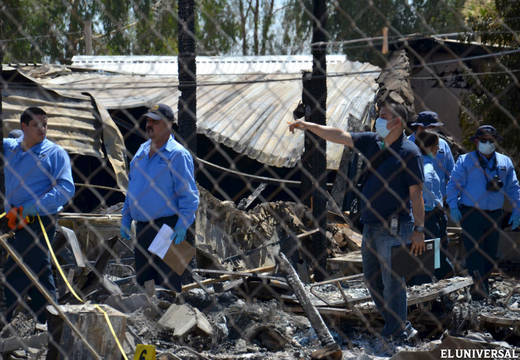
{"x":443,"y":162}
{"x":432,"y":185}
{"x":160,"y":186}
{"x":40,"y":176}
{"x":386,"y":190}
{"x":467,"y":185}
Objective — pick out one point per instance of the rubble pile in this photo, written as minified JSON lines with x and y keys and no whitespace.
{"x":241,"y":312}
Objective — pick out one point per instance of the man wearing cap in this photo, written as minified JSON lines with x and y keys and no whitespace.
{"x":443,"y":165}
{"x":38,"y":180}
{"x":161,"y":190}
{"x":444,"y":162}
{"x":475,"y":194}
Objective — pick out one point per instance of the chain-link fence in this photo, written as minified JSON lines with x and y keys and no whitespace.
{"x":260,"y":179}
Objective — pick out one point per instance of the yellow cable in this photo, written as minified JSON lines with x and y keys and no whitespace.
{"x":60,"y":270}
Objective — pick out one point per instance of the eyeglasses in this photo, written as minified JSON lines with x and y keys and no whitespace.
{"x":485,"y":141}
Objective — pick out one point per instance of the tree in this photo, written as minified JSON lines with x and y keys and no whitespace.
{"x":495,"y":94}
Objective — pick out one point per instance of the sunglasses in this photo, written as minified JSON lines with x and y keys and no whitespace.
{"x":485,"y":141}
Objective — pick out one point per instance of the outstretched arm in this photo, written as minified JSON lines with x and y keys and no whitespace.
{"x":325,"y":132}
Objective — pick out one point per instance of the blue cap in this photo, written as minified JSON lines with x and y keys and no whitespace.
{"x":427,"y":119}
{"x":159,"y":112}
{"x":486,"y":130}
{"x":15,"y":134}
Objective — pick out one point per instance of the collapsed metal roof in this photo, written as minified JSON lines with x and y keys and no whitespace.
{"x":75,"y":121}
{"x":242,"y":102}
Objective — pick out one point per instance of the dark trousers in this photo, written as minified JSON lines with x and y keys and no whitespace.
{"x":480,"y":233}
{"x":30,"y":244}
{"x":149,"y":266}
{"x":435,"y":223}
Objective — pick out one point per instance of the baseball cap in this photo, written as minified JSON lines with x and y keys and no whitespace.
{"x":486,"y":130}
{"x":427,"y":118}
{"x":159,"y":112}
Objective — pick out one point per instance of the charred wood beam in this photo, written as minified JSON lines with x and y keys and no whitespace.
{"x":332,"y":349}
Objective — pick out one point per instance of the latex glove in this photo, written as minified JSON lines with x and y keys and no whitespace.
{"x":29,"y":209}
{"x":179,"y":234}
{"x":514,"y":221}
{"x":455,"y":214}
{"x":125,"y":232}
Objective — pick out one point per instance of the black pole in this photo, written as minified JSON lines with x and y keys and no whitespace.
{"x":314,"y":160}
{"x":187,"y":105}
{"x":2,"y":183}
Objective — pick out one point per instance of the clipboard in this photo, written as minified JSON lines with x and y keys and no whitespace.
{"x":177,"y":257}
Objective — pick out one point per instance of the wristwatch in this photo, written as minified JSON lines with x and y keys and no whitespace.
{"x":419,"y":229}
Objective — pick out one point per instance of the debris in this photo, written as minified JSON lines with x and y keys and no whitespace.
{"x":267,"y":336}
{"x":244,"y":203}
{"x":15,"y":342}
{"x":183,"y":319}
{"x":93,"y":325}
{"x":347,"y":264}
{"x":128,"y":304}
{"x":453,"y":347}
{"x":263,"y":269}
{"x":331,"y":350}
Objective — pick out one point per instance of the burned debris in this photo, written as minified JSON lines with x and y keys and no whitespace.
{"x":233,"y":311}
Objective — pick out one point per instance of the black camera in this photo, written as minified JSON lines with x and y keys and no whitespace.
{"x":495,"y":184}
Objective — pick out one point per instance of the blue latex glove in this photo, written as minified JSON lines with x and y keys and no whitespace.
{"x":125,"y":232}
{"x":455,"y":214}
{"x":179,"y":234}
{"x":514,"y":221}
{"x":29,"y":209}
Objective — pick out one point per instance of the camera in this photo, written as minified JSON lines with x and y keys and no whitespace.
{"x":494,"y":184}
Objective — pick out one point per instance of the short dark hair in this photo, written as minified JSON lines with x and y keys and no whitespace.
{"x":397,"y":109}
{"x":426,"y":139}
{"x":29,"y":114}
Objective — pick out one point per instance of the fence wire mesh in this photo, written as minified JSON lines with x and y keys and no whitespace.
{"x":346,"y":137}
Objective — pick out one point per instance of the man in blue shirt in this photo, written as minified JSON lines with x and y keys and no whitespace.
{"x":161,"y":190}
{"x":392,"y":192}
{"x":443,"y":161}
{"x":475,"y":194}
{"x":38,"y":178}
{"x":443,"y":164}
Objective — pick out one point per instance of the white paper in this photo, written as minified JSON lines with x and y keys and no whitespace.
{"x":162,"y":241}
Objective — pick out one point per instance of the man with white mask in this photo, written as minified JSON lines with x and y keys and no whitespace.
{"x":480,"y":181}
{"x":392,"y":210}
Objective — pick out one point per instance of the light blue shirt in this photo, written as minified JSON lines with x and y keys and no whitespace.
{"x":40,"y":176}
{"x":443,"y":163}
{"x":432,"y":185}
{"x":467,"y":185}
{"x":160,"y":186}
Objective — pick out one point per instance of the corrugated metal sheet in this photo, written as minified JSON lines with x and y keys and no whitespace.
{"x":74,"y":121}
{"x":71,"y":119}
{"x":241,"y":102}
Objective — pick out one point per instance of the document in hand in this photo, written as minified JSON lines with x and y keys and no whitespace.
{"x":175,"y":256}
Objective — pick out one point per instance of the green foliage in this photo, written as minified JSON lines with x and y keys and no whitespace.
{"x":495,"y":96}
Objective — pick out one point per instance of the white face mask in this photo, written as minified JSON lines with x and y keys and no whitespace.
{"x":381,"y":129}
{"x":486,"y":148}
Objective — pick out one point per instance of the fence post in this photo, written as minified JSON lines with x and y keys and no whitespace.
{"x":187,"y":105}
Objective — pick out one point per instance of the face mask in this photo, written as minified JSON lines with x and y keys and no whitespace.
{"x":381,"y":129}
{"x":486,"y":148}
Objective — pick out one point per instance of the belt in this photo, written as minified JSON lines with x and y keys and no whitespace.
{"x":466,"y":207}
{"x":164,"y":219}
